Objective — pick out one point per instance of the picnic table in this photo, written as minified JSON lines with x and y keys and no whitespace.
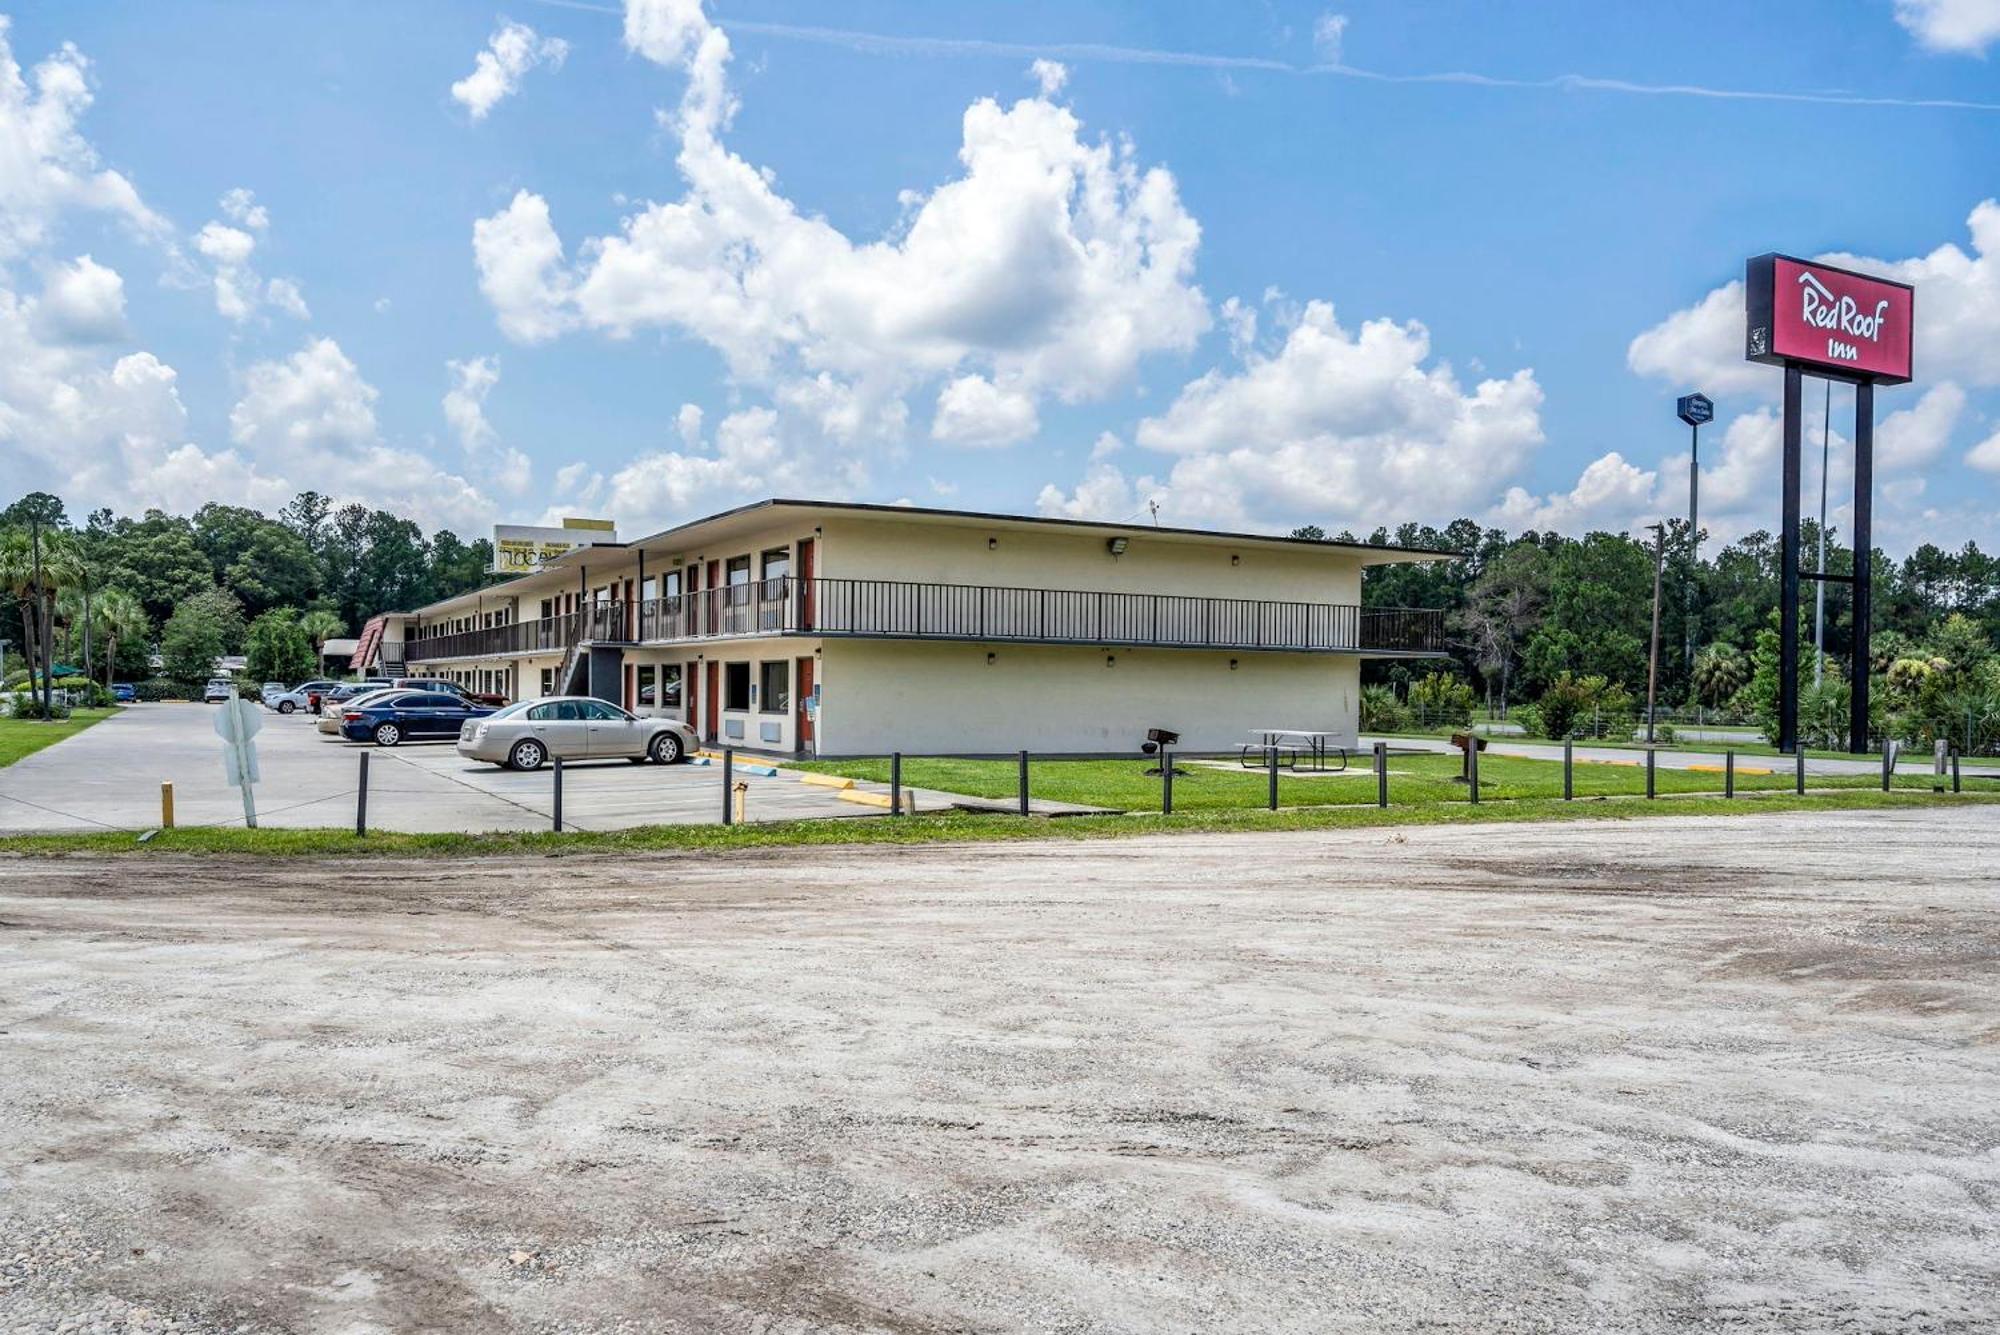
{"x":1317,"y":747}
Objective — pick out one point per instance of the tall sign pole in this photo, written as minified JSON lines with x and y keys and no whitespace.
{"x":1694,"y":409}
{"x":1808,"y":317}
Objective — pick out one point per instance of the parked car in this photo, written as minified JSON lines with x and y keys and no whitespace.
{"x":440,"y":684}
{"x":339,"y":698}
{"x":527,"y":734}
{"x":125,"y":693}
{"x":393,"y":717}
{"x":303,"y":696}
{"x":269,"y":689}
{"x":218,"y":690}
{"x":352,"y":689}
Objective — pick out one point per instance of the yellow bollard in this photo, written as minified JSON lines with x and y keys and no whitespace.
{"x":166,"y":804}
{"x":742,"y":792}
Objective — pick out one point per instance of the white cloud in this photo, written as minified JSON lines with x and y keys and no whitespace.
{"x":511,"y":52}
{"x":239,"y":291}
{"x":1611,"y":494}
{"x":465,"y":412}
{"x":46,"y":165}
{"x":1049,"y":76}
{"x":1966,"y":27}
{"x":1102,"y":494}
{"x":82,"y":302}
{"x":1050,"y":265}
{"x":1957,"y":333}
{"x":1916,"y":435}
{"x":1342,"y":427}
{"x":1329,"y":34}
{"x":973,"y":411}
{"x":1985,"y":456}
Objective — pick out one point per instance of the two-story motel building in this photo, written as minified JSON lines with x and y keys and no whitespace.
{"x":848,"y":629}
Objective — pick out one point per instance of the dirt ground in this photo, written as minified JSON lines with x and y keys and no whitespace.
{"x":1735,"y":1074}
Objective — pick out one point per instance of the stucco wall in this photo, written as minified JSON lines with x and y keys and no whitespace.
{"x":887,"y":548}
{"x":880,"y":697}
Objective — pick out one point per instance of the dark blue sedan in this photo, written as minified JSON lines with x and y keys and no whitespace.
{"x":408,"y":716}
{"x":125,"y":693}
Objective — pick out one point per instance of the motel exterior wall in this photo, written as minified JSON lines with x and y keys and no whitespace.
{"x":882,"y":694}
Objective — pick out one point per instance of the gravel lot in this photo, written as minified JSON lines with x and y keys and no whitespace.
{"x":1730,"y":1074}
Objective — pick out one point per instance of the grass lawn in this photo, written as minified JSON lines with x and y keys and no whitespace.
{"x":24,"y":736}
{"x":933,"y":827}
{"x":1122,"y":784}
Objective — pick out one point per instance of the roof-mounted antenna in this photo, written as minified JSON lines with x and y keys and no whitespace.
{"x":1154,"y":506}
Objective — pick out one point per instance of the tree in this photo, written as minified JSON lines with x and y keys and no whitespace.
{"x":192,"y":641}
{"x":121,"y":620}
{"x":36,"y":506}
{"x":158,"y":561}
{"x":277,"y":648}
{"x":1502,"y":608}
{"x":1720,"y":671}
{"x":320,"y":626}
{"x":1599,"y":612}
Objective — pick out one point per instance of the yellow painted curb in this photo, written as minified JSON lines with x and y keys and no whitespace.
{"x":1632,"y":764}
{"x":825,"y":780}
{"x":865,"y":799}
{"x":1721,"y":769}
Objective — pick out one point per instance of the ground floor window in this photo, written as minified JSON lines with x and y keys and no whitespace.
{"x":548,"y":681}
{"x":735,"y":685}
{"x":670,"y":686}
{"x":774,"y":691}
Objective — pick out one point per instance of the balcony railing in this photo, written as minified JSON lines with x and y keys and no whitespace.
{"x":894,"y":609}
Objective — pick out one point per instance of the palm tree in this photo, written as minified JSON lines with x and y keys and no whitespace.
{"x":17,"y":580}
{"x":122,"y":619}
{"x":320,"y":626}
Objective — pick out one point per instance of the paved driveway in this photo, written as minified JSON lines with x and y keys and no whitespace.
{"x":110,"y":775}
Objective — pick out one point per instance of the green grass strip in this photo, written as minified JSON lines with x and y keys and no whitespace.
{"x":942,"y":828}
{"x":21,"y":737}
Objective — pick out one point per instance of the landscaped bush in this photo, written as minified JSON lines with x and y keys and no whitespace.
{"x":1440,"y":700}
{"x":1585,"y":707}
{"x":158,"y":688}
{"x":23,"y":705}
{"x":1381,"y":711}
{"x":1529,"y":719}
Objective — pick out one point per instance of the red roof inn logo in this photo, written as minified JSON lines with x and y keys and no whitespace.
{"x":1831,"y":321}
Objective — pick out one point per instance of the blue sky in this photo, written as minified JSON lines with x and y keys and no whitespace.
{"x":1204,"y":256}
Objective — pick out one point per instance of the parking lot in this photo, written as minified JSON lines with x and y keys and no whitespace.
{"x":110,"y":776}
{"x":1602,"y":1076}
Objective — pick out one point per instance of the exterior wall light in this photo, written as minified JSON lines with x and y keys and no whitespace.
{"x":1235,"y":560}
{"x":1116,"y":546}
{"x":992,"y":544}
{"x":1111,"y":660}
{"x":1232,"y":665}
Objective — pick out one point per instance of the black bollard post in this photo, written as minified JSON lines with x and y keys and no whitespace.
{"x":1954,"y":771}
{"x":1888,"y":762}
{"x":361,"y":801}
{"x":558,"y":794}
{"x":1569,"y":770}
{"x":1799,"y":770}
{"x":1472,"y":770}
{"x":1271,"y":758}
{"x":1651,"y":790}
{"x":895,"y":783}
{"x":1166,"y":781}
{"x":1024,"y":781}
{"x":1381,"y":774}
{"x":1729,"y":774}
{"x":728,"y":782}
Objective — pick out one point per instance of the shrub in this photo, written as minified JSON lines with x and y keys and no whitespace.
{"x":157,"y":689}
{"x":1529,"y":717}
{"x":23,"y":705}
{"x":1381,"y":711}
{"x":1588,"y":707}
{"x":1441,"y":699}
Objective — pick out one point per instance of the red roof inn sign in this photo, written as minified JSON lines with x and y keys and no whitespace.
{"x":1832,"y":322}
{"x":1814,"y":319}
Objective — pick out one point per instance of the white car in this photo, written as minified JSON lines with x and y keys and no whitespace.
{"x":528,"y":734}
{"x":270,"y":688}
{"x":299,"y":697}
{"x":218,"y":691}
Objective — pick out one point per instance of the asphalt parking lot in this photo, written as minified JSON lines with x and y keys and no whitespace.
{"x":1731,"y":1074}
{"x":109,"y":776}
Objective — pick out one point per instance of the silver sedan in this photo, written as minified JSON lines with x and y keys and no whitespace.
{"x":527,"y":734}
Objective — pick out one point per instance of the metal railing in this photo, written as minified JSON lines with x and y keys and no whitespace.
{"x":896,"y":609}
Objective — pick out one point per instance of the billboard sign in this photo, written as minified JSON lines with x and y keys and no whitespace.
{"x":1695,"y":409}
{"x":1832,"y":322}
{"x":520,"y":549}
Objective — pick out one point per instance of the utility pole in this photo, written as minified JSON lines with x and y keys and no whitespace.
{"x":1653,"y":660}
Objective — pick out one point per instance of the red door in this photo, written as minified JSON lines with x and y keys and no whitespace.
{"x":714,"y":695}
{"x":802,"y":686}
{"x":691,"y":696}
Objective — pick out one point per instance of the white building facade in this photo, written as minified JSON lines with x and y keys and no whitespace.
{"x":842,"y":629}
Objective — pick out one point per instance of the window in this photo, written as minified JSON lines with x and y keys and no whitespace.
{"x":739,"y":580}
{"x":735,"y":685}
{"x":648,"y":690}
{"x":670,"y":686}
{"x":775,"y":691}
{"x":777,"y":564}
{"x":548,"y":682}
{"x":543,"y":713}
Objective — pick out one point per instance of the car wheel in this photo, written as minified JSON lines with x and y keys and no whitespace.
{"x":387,"y":734}
{"x":666,"y":749}
{"x":527,"y":755}
{"x":286,"y":706}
